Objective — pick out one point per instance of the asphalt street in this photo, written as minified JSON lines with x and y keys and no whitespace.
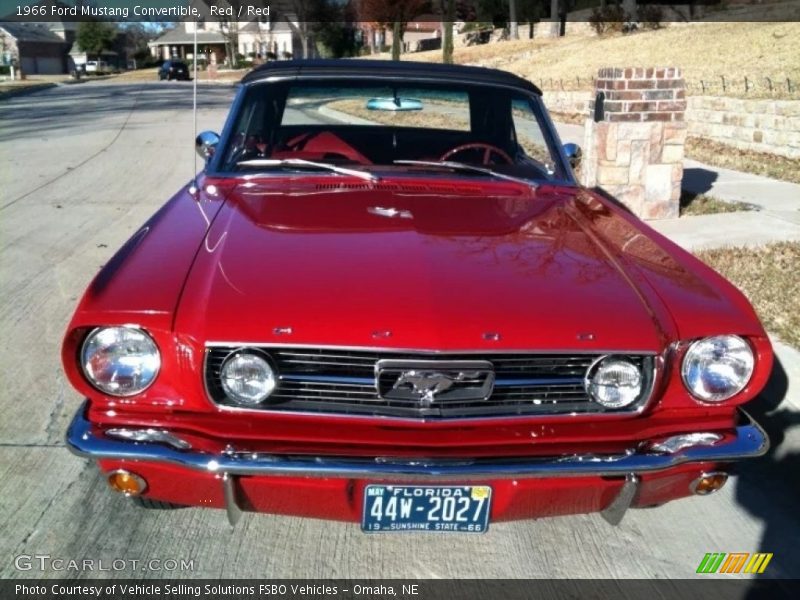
{"x":82,"y":167}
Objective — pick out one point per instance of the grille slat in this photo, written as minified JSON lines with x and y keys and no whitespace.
{"x":335,"y":381}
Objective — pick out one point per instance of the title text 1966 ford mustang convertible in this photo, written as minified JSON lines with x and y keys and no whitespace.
{"x":386,"y":300}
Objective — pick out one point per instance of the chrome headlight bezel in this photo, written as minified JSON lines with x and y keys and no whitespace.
{"x":272,"y":379}
{"x":641,"y":390}
{"x":88,"y":374}
{"x":704,"y":345}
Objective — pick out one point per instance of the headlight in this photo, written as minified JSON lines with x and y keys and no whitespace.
{"x":716,"y":368}
{"x":120,"y":361}
{"x":614,"y":382}
{"x":247,"y":378}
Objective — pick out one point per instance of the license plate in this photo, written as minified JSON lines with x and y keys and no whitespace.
{"x":457,"y":508}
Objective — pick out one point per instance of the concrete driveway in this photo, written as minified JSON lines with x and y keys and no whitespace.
{"x":82,"y":167}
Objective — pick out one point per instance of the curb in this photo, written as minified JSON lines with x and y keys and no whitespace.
{"x":27,"y":90}
{"x":86,"y":79}
{"x":344,"y":117}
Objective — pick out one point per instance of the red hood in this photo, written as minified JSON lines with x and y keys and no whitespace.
{"x":437,"y":270}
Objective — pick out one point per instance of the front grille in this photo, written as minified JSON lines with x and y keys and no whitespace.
{"x":324,"y":380}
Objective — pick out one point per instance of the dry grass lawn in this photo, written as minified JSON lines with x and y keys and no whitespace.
{"x":703,"y":50}
{"x":152,"y":75}
{"x":14,"y":87}
{"x":432,"y":119}
{"x":770,"y":277}
{"x":760,"y":163}
{"x":700,"y":204}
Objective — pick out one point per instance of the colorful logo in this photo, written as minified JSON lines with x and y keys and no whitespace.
{"x":735,"y":562}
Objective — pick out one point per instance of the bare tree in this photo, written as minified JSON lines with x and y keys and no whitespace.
{"x":396,"y":12}
{"x":447,"y":34}
{"x":230,"y":33}
{"x":513,"y":26}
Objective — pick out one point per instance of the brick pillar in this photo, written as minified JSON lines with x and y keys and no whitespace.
{"x":635,"y":152}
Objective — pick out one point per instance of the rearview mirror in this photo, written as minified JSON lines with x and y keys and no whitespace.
{"x":573,"y":153}
{"x":394,"y":104}
{"x":206,"y":144}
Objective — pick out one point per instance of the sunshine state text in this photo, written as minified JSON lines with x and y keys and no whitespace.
{"x":122,"y":12}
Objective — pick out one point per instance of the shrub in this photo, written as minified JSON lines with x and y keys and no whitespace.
{"x":610,"y":19}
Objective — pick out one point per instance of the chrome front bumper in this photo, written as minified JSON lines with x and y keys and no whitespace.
{"x":748,"y":441}
{"x":161,"y":446}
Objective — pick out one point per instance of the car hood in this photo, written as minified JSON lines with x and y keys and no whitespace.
{"x":494,"y":266}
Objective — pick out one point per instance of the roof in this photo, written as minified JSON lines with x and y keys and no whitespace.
{"x":425,"y":23}
{"x":276,"y":26}
{"x":31,"y":32}
{"x":179,"y":35}
{"x":388,"y":69}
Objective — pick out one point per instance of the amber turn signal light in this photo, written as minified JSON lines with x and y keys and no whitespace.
{"x":708,"y":483}
{"x":126,"y":483}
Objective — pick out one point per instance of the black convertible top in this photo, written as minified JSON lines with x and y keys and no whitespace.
{"x":388,"y":69}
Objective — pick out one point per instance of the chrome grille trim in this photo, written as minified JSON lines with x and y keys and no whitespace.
{"x":338,"y":381}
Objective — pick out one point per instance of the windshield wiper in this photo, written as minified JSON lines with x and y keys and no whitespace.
{"x":299,"y":162}
{"x":459,"y":166}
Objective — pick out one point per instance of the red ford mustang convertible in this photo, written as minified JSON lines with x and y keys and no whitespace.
{"x":386,"y":300}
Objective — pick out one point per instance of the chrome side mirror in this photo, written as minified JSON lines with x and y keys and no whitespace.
{"x":573,"y":153}
{"x":206,"y":144}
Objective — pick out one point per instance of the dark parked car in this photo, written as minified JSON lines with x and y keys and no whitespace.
{"x":173,"y":69}
{"x":387,"y":300}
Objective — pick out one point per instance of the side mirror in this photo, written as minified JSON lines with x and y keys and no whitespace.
{"x":206,"y":144}
{"x":573,"y":153}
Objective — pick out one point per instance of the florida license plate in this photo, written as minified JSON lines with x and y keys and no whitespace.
{"x":457,"y":508}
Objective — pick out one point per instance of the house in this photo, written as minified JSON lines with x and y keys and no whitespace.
{"x":279,"y":35}
{"x":420,"y":34}
{"x":33,"y":47}
{"x":80,"y":57}
{"x":251,"y":39}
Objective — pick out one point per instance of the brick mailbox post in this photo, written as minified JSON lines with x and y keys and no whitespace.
{"x":633,"y":146}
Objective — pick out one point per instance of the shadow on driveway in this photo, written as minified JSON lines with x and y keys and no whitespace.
{"x":769,"y":487}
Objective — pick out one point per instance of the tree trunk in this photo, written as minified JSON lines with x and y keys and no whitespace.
{"x":397,"y":40}
{"x":447,"y":34}
{"x":555,"y":19}
{"x":631,"y":10}
{"x":513,"y":28}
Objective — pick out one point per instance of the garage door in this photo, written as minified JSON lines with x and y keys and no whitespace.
{"x":28,"y":65}
{"x":49,"y":66}
{"x":38,"y":65}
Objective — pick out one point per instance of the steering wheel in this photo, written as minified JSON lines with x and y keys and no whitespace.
{"x":488,"y":150}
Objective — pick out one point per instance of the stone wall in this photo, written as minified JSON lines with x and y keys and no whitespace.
{"x":771,"y":126}
{"x":761,"y":125}
{"x":635,"y":153}
{"x":570,"y":103}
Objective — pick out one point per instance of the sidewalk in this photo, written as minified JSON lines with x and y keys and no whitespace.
{"x":778,"y":202}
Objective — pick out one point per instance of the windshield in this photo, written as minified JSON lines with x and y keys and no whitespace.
{"x":392,"y":127}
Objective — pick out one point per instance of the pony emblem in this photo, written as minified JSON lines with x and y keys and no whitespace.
{"x":426,"y":384}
